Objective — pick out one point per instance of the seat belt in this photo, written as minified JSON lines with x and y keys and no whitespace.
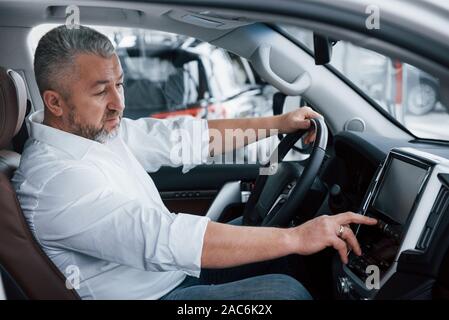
{"x":21,"y":137}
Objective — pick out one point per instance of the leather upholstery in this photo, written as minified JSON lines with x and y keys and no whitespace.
{"x":12,"y":105}
{"x":20,"y":254}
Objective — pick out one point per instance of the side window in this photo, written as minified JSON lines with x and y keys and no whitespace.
{"x":169,"y":75}
{"x":164,"y":77}
{"x":156,"y":84}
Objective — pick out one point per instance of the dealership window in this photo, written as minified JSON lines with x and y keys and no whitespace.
{"x":170,"y":75}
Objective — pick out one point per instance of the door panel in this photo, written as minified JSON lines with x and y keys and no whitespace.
{"x":204,"y":177}
{"x":195,"y":191}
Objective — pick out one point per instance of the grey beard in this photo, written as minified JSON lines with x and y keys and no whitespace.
{"x":96,"y":134}
{"x":103,"y":136}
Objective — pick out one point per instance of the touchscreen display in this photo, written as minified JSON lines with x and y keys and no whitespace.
{"x":399,"y":189}
{"x":394,"y":200}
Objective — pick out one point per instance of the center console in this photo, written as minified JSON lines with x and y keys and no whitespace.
{"x":401,"y":197}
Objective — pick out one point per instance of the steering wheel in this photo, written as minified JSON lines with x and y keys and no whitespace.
{"x":276,"y":196}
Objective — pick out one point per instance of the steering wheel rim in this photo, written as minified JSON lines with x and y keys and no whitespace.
{"x":284,"y":208}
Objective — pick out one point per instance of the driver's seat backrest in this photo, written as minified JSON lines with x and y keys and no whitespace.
{"x":20,"y":255}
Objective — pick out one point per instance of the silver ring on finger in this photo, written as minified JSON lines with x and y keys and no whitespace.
{"x":340,"y":231}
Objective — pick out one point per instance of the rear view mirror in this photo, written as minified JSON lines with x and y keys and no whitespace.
{"x":323,"y":49}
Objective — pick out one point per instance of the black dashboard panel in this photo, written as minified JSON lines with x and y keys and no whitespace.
{"x":391,"y":201}
{"x":359,"y":155}
{"x":375,"y":148}
{"x":418,"y":267}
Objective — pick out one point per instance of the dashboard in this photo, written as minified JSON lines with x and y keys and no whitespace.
{"x":407,"y":190}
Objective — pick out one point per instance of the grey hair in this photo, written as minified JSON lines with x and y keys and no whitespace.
{"x":56,"y":51}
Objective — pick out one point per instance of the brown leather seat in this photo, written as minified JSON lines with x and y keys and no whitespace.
{"x":20,"y":255}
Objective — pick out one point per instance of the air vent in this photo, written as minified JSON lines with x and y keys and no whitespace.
{"x":439,"y":208}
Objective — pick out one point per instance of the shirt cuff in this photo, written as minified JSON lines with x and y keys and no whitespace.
{"x":186,"y":242}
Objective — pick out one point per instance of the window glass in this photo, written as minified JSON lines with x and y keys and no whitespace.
{"x":409,"y":94}
{"x":169,"y":75}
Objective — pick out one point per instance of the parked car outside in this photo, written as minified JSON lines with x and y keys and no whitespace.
{"x":187,"y":77}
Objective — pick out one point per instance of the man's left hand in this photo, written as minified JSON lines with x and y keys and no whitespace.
{"x":300,"y":119}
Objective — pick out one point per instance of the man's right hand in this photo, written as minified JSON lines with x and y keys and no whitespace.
{"x":329,"y":231}
{"x":228,"y":245}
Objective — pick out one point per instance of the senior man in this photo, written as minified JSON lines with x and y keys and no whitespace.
{"x":86,"y":195}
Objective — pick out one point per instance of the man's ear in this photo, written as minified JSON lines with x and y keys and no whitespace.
{"x":53,"y":101}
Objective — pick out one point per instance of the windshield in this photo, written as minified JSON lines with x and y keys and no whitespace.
{"x":407,"y":93}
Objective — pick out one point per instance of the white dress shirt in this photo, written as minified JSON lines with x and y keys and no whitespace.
{"x":96,"y":212}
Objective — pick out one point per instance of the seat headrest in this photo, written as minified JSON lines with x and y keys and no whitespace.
{"x":13,"y":101}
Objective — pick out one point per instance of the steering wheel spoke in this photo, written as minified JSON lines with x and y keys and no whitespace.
{"x":280,"y":201}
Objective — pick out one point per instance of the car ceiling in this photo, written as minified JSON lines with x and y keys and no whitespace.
{"x":116,"y":13}
{"x":176,"y":16}
{"x":160,"y":14}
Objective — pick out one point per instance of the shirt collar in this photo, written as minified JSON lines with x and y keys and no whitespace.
{"x":75,"y":145}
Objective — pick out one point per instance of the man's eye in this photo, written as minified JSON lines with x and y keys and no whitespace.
{"x":120,"y":84}
{"x":101,"y":93}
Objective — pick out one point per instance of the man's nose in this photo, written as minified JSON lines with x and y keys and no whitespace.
{"x":117,"y":101}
